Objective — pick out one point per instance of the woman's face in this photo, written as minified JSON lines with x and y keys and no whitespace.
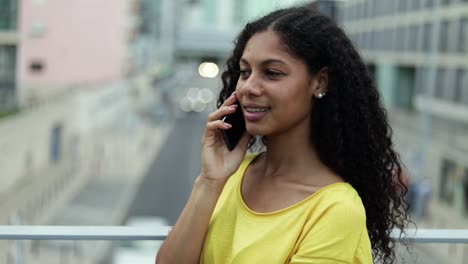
{"x":274,"y":89}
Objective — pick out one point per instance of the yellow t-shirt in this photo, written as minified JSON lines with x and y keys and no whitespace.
{"x":327,"y":227}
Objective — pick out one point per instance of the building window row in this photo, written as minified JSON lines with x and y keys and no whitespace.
{"x":450,"y":84}
{"x":453,"y":38}
{"x":376,"y":8}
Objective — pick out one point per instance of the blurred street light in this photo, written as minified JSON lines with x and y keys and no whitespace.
{"x":208,"y":70}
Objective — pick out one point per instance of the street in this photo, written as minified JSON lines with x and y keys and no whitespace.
{"x":167,"y":185}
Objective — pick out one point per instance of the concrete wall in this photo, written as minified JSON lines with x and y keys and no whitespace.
{"x":26,"y":138}
{"x":25,"y":141}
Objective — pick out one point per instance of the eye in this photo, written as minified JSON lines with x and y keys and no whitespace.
{"x":244,"y":73}
{"x":273,"y":74}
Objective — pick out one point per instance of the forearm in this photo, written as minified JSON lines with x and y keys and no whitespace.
{"x":185,"y":241}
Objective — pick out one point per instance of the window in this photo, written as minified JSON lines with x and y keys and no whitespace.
{"x":414,"y":5}
{"x":427,"y":37}
{"x":379,"y":8}
{"x":400,"y":37}
{"x":445,"y":2}
{"x":413,"y":38}
{"x":404,"y":90}
{"x":368,"y":40}
{"x":444,"y":36}
{"x":453,"y":40}
{"x":359,"y":10}
{"x":464,"y":35}
{"x":419,"y":38}
{"x":402,"y":5}
{"x":406,"y":38}
{"x":463,"y":86}
{"x":458,"y":86}
{"x":150,"y":19}
{"x":439,"y":83}
{"x":361,"y":40}
{"x":36,"y":66}
{"x":429,"y":3}
{"x":419,"y":81}
{"x":386,"y":40}
{"x":454,"y":185}
{"x":7,"y":77}
{"x":368,"y":8}
{"x":8,"y":14}
{"x":448,"y":88}
{"x":379,"y":40}
{"x":7,"y":63}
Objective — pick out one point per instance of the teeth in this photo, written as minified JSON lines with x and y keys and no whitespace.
{"x":254,"y":110}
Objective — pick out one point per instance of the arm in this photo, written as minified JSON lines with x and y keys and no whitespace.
{"x":185,"y":242}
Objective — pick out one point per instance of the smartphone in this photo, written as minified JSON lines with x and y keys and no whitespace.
{"x":234,"y":134}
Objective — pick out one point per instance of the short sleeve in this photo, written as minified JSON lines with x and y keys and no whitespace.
{"x":334,"y":237}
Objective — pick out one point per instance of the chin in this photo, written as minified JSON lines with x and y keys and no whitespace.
{"x":256,"y":130}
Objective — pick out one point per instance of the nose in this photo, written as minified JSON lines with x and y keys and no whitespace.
{"x":251,"y":86}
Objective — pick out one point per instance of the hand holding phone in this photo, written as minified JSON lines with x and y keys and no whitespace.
{"x":234,"y":134}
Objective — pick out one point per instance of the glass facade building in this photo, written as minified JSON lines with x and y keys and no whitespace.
{"x":8,"y":27}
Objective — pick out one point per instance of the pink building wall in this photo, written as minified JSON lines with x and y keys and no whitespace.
{"x":83,"y":41}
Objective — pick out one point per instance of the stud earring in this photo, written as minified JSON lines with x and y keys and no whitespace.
{"x":320,"y":95}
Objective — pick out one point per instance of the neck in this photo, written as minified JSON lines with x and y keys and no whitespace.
{"x":292,"y":156}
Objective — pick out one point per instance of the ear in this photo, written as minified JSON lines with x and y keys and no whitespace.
{"x":320,"y":82}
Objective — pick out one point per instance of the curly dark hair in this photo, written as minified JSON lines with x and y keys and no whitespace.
{"x":349,"y":126}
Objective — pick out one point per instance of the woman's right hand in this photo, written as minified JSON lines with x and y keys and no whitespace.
{"x":217,"y":162}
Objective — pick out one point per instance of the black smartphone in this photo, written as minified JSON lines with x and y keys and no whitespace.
{"x":234,"y":134}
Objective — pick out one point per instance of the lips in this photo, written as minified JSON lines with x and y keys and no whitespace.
{"x":253,"y":112}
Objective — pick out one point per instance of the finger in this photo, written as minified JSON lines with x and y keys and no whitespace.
{"x":217,"y":124}
{"x":221,"y":112}
{"x":230,"y":100}
{"x":212,"y":129}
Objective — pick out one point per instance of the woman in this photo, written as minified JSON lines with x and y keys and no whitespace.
{"x":322,"y":191}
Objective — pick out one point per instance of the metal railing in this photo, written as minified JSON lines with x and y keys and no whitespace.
{"x":20,"y":232}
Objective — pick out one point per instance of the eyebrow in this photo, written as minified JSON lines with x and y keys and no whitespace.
{"x":265,"y":62}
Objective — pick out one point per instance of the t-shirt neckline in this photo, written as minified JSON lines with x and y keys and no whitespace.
{"x":240,"y":198}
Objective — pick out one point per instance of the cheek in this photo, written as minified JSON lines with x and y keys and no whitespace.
{"x":298,"y":103}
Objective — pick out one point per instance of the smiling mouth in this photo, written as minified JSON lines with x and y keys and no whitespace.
{"x":256,"y":109}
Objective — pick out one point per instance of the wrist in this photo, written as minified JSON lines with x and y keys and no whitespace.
{"x":211,"y":184}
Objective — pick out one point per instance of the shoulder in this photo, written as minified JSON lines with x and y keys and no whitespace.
{"x":339,"y":205}
{"x":335,"y":230}
{"x":340,"y":193}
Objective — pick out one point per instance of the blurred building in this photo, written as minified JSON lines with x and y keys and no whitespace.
{"x":8,"y":53}
{"x":56,"y":49}
{"x":73,"y":68}
{"x":208,"y":28}
{"x":418,"y":53}
{"x":64,"y":46}
{"x":327,"y":7}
